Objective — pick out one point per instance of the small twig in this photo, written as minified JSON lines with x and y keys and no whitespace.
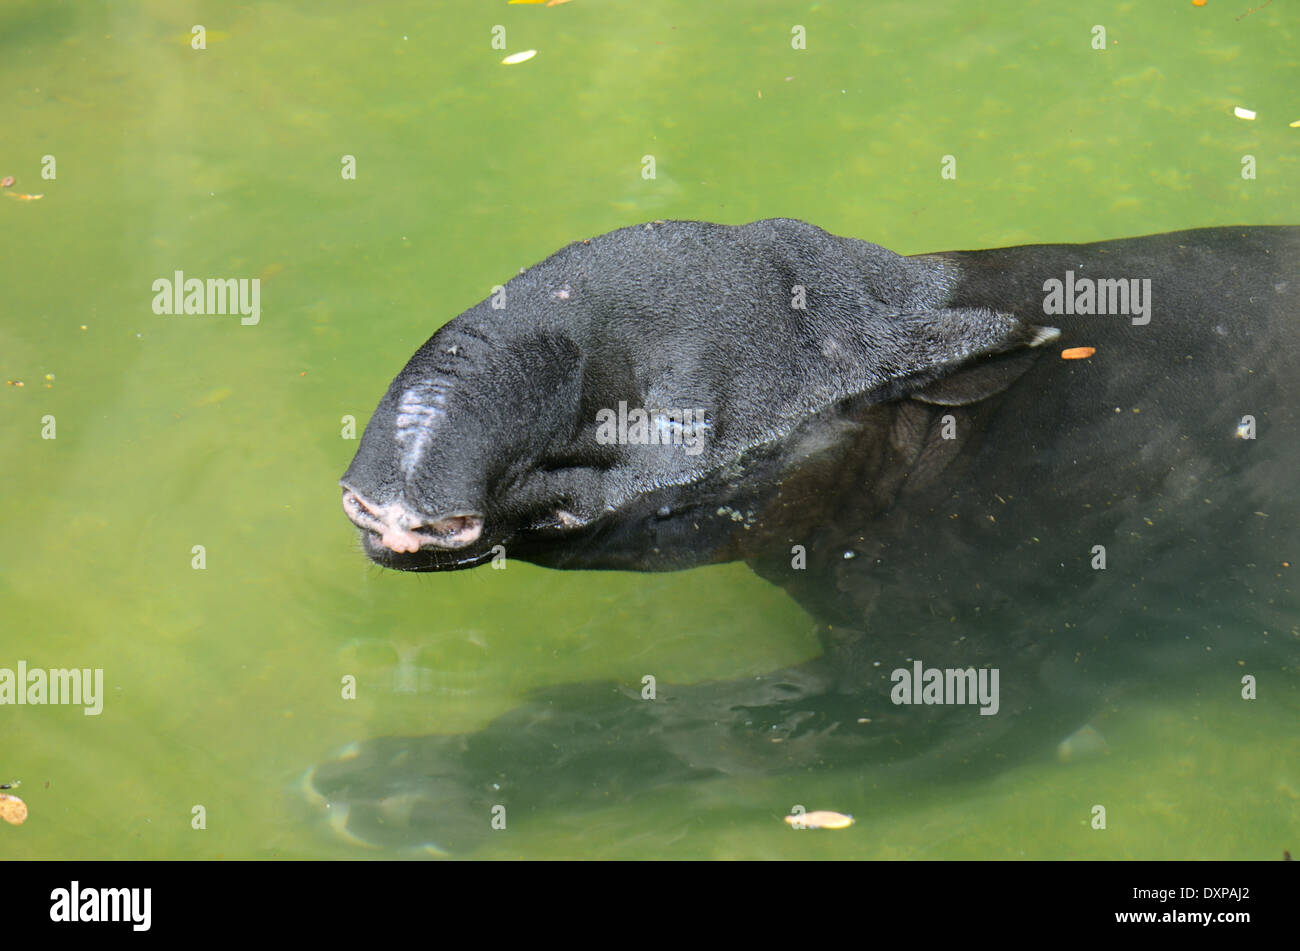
{"x":1253,"y":10}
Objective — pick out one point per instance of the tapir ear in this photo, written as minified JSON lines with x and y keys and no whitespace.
{"x":974,"y":352}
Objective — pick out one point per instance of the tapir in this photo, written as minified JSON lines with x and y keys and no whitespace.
{"x":1000,"y":481}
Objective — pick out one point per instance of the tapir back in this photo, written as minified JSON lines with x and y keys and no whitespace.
{"x":1128,"y":506}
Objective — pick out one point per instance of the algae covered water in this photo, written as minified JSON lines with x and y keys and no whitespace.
{"x":377,"y":171}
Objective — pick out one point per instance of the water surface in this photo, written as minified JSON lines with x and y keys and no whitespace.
{"x":223,"y":684}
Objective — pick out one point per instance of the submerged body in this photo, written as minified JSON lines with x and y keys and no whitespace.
{"x":945,"y":459}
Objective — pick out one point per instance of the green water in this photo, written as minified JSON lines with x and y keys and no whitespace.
{"x":222,"y":684}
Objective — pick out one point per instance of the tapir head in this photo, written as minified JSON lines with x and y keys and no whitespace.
{"x":447,"y":465}
{"x":490,"y":440}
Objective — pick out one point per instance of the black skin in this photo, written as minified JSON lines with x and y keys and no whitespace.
{"x":826,"y":429}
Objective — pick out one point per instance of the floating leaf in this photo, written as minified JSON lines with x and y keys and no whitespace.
{"x":12,"y":809}
{"x":821,"y":819}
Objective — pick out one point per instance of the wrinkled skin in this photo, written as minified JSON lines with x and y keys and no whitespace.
{"x":913,"y":429}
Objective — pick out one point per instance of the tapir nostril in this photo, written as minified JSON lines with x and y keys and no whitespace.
{"x":454,"y":532}
{"x":354,"y":506}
